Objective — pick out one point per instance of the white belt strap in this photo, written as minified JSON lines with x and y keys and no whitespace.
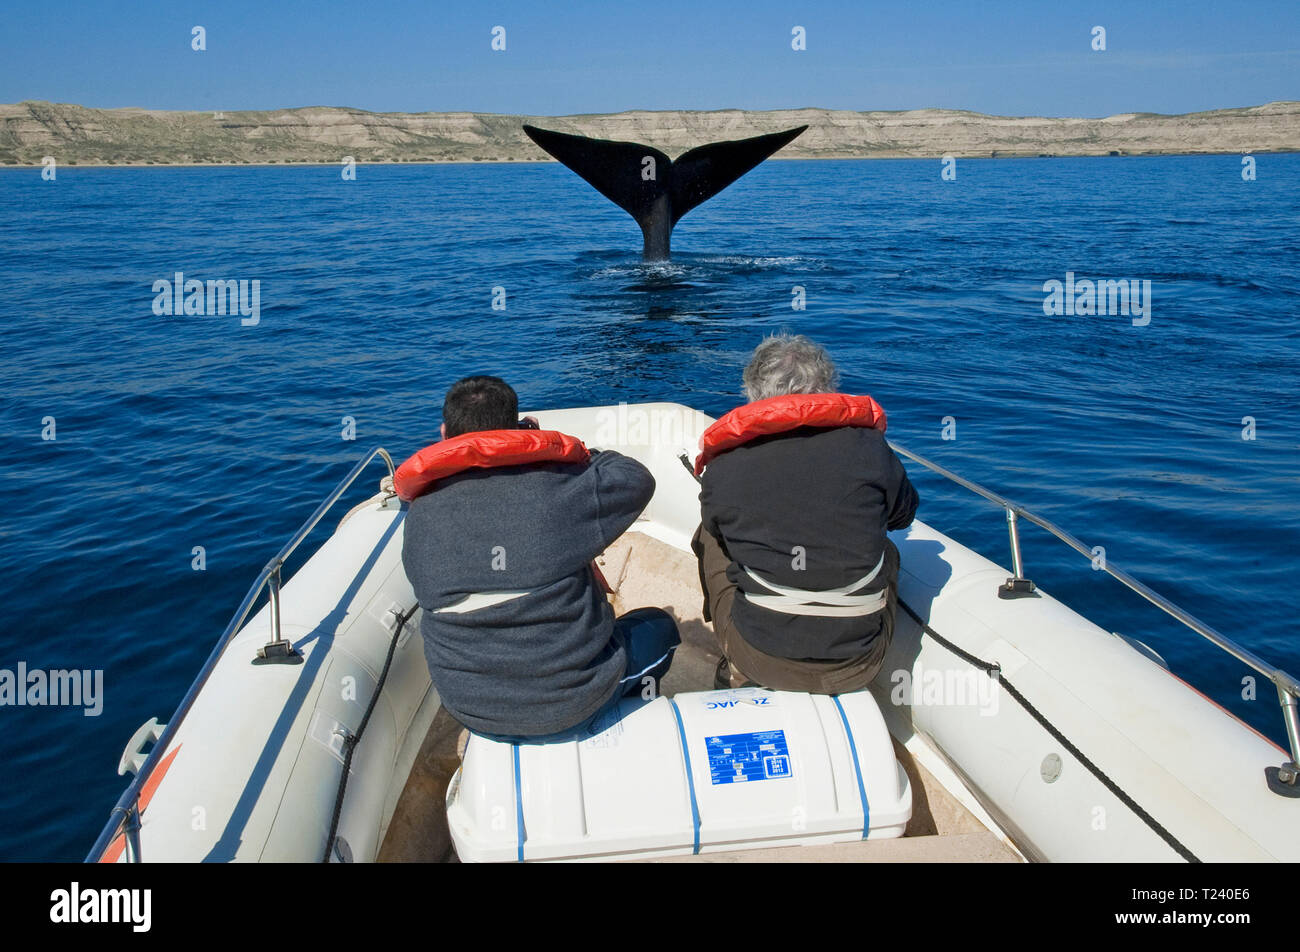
{"x":835,"y":602}
{"x":476,"y":600}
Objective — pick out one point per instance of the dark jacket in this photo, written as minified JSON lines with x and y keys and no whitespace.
{"x":832,"y":492}
{"x":545,"y":661}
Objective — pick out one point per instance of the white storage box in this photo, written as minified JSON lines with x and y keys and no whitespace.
{"x":766,"y":768}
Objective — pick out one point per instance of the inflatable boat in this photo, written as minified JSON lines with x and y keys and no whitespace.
{"x":1003,"y":726}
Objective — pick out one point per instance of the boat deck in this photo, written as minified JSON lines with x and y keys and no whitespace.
{"x":644,"y":571}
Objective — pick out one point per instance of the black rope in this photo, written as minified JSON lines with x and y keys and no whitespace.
{"x":351,"y":740}
{"x":996,"y":672}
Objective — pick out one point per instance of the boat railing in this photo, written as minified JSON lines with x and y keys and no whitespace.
{"x":125,"y":817}
{"x":1018,"y":586}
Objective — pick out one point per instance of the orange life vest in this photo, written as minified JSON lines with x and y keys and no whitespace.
{"x":781,"y":414}
{"x":483,"y":449}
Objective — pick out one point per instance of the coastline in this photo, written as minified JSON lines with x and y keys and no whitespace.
{"x":76,"y":136}
{"x":548,"y":161}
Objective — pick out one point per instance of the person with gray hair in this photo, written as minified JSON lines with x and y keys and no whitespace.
{"x":785,"y":363}
{"x":799,"y":491}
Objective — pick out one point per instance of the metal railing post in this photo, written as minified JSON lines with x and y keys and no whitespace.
{"x":1285,"y":780}
{"x":273,"y":583}
{"x":1017,"y":586}
{"x":1017,"y":566}
{"x":132,"y":832}
{"x":1292,"y":721}
{"x":278,"y":650}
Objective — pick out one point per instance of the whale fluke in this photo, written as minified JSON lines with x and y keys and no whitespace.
{"x":649,"y":186}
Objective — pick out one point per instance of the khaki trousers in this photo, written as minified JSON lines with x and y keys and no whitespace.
{"x":748,"y":664}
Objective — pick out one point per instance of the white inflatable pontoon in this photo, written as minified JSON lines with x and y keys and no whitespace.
{"x":1003,"y":725}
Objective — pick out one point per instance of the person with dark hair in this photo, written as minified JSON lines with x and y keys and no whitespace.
{"x":801,"y":587}
{"x":504,"y":523}
{"x":479,"y":403}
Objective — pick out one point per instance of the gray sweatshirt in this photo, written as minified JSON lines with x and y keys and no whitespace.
{"x":545,"y":661}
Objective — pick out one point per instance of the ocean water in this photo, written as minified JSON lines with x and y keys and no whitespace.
{"x":173,"y":432}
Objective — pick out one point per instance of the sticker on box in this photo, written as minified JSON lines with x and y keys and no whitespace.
{"x":745,"y":758}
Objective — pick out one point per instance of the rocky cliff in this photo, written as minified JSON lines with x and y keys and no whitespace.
{"x":30,"y":131}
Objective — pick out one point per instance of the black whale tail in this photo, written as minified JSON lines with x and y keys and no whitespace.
{"x":649,"y":186}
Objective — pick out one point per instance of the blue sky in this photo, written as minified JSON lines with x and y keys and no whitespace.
{"x":997,"y":57}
